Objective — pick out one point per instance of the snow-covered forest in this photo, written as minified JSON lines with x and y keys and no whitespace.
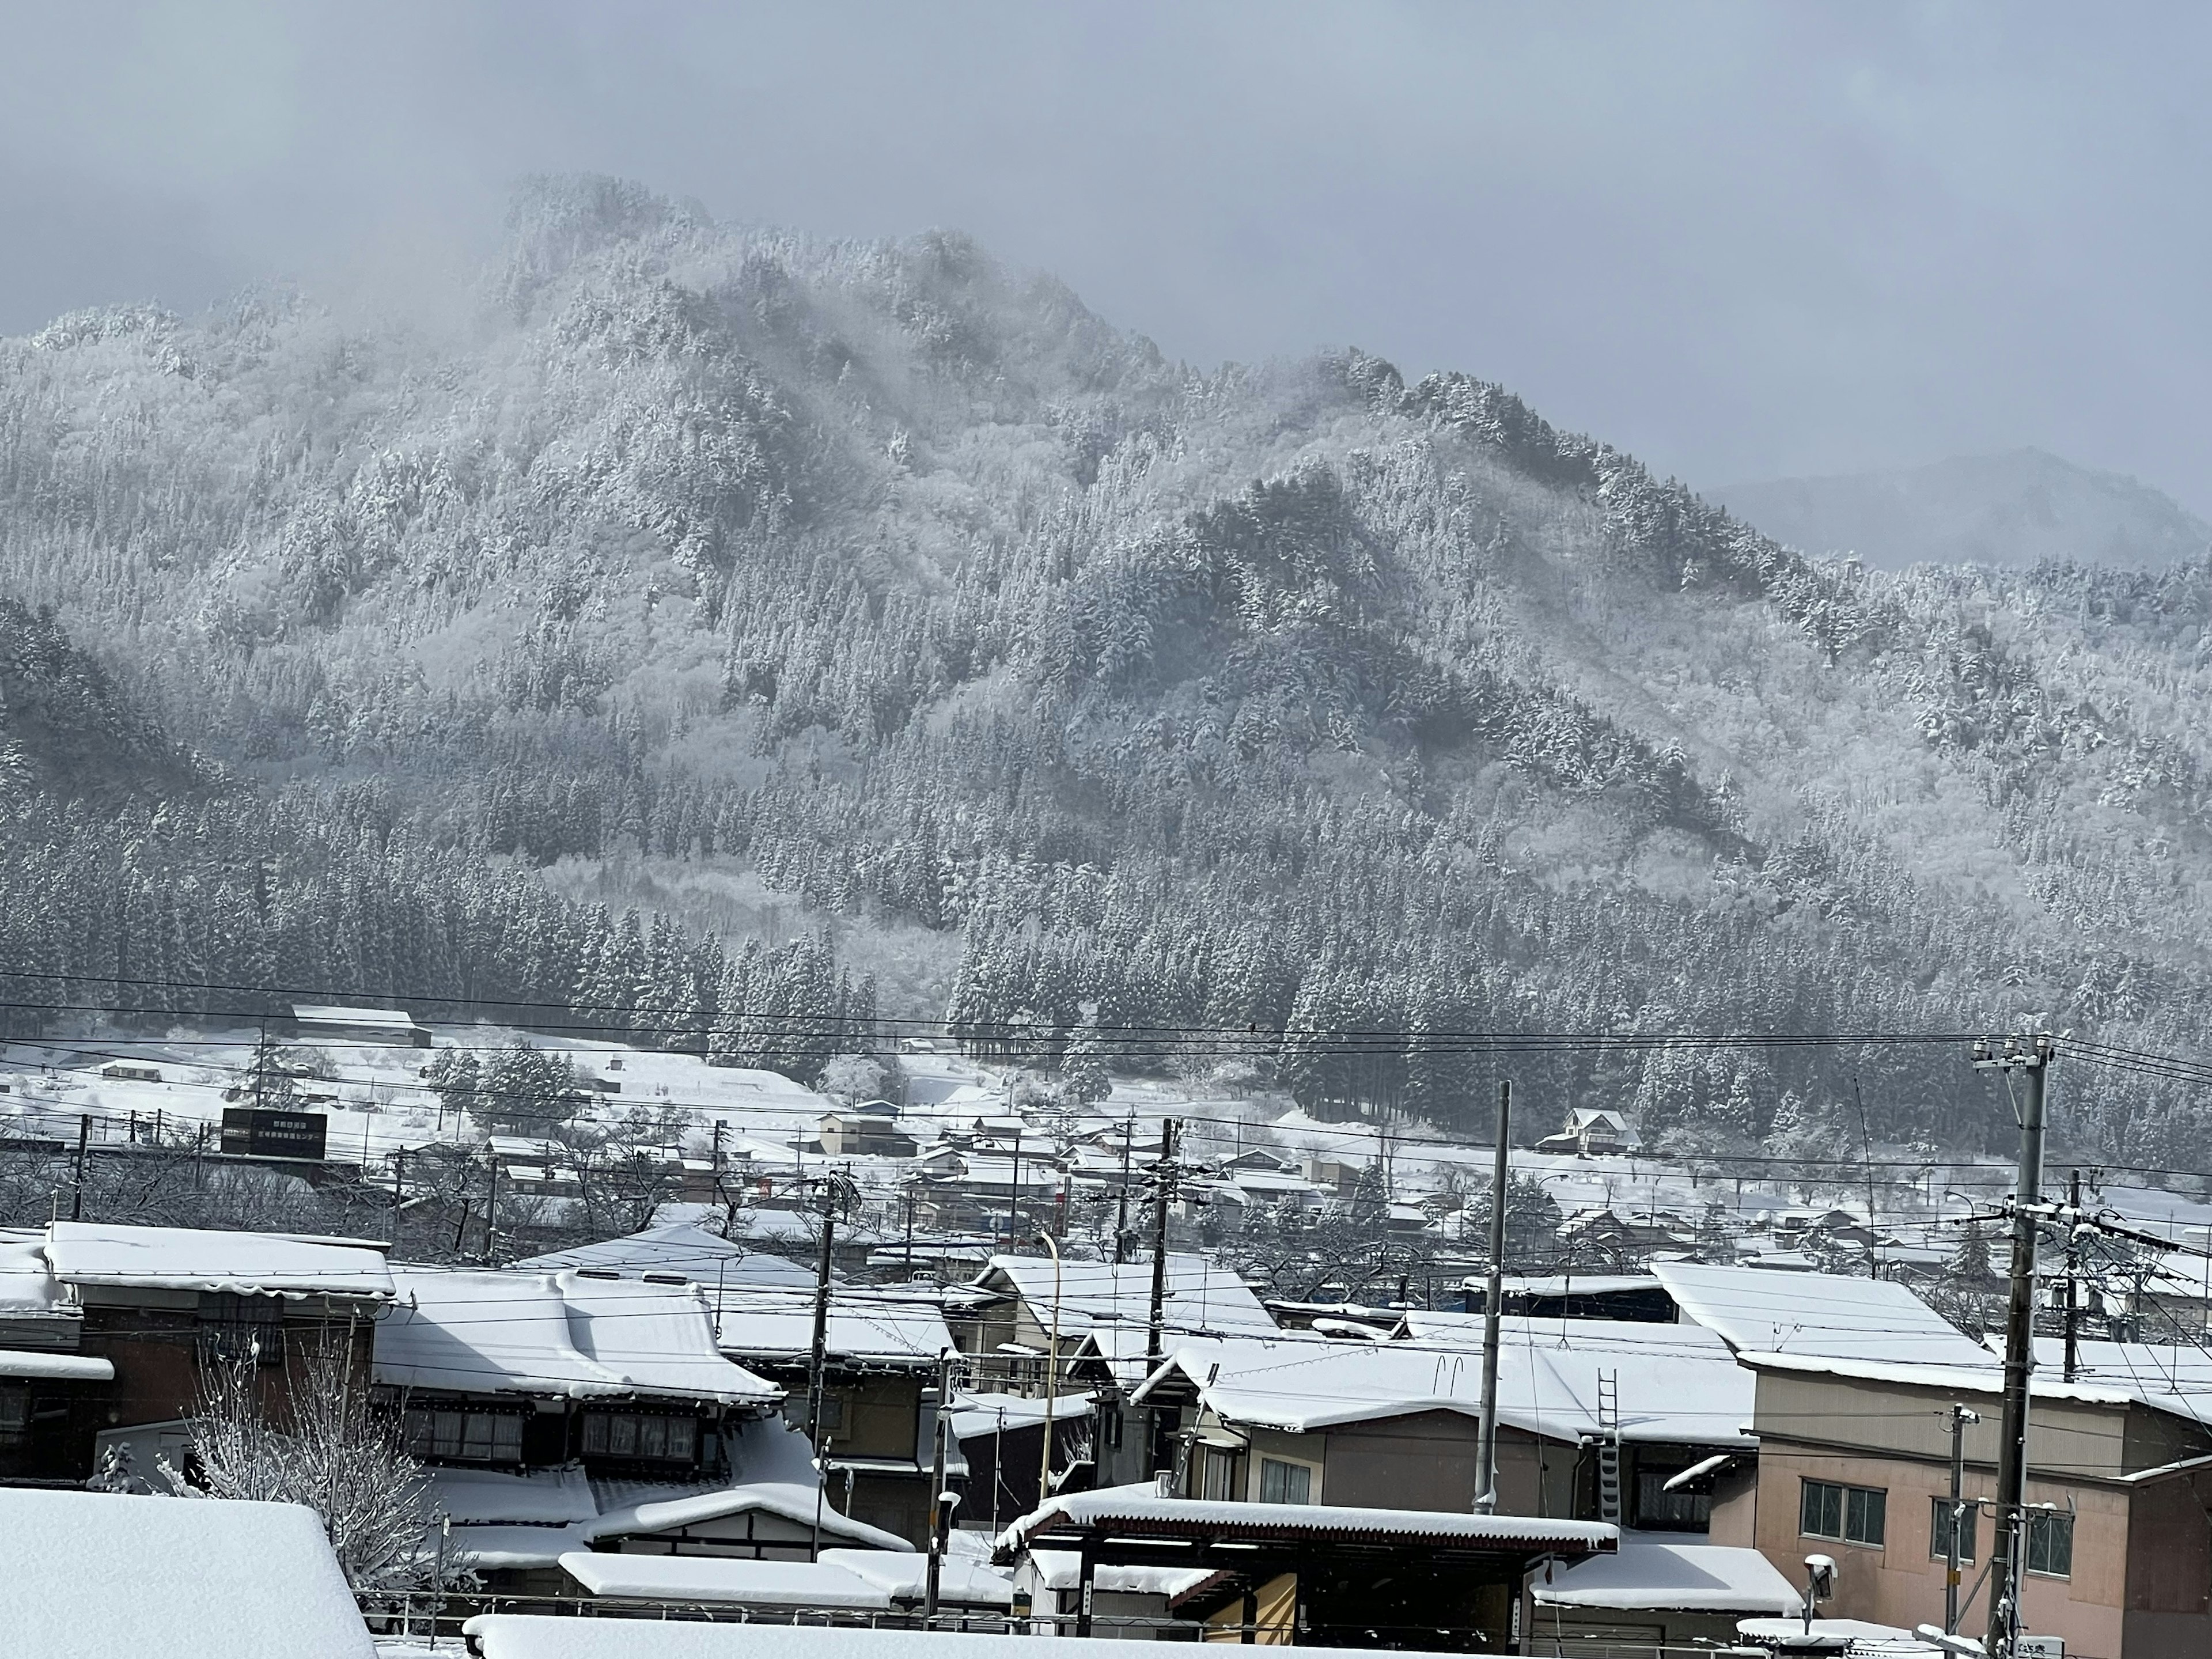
{"x":681,"y":575}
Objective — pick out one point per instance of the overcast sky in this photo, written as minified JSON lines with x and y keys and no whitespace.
{"x":1741,"y":242}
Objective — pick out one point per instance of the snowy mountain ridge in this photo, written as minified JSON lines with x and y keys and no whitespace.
{"x":872,"y":592}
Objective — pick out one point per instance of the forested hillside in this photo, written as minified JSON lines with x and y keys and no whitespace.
{"x":1067,"y":686}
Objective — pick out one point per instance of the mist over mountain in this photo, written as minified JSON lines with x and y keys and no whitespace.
{"x":891,"y":633}
{"x":2023,"y":507}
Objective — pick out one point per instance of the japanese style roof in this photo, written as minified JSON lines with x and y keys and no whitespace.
{"x":193,"y":1259}
{"x":864,"y":1327}
{"x":565,"y":1334}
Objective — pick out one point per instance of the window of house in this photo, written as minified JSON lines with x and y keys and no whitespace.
{"x":629,"y":1434}
{"x":234,"y":1327}
{"x":1674,"y":1511}
{"x":1216,"y":1473}
{"x":464,"y":1436}
{"x":2051,"y":1544}
{"x":832,"y":1411}
{"x":1939,"y":1531}
{"x":1285,"y":1483}
{"x":1855,"y":1515}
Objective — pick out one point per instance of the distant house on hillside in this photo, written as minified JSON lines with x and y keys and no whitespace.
{"x":869,"y":1131}
{"x":337,"y":1024}
{"x":1592,"y":1131}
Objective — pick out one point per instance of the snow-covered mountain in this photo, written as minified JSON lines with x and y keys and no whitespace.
{"x":945,"y":649}
{"x":2021,"y":509}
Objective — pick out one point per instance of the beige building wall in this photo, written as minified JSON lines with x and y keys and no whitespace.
{"x":1901,"y":1583}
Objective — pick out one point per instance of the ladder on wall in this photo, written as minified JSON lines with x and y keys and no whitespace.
{"x":1609,"y":1447}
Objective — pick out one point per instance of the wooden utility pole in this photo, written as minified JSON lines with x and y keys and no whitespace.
{"x":1485,"y":1467}
{"x":77,"y":1196}
{"x":491,"y":1204}
{"x":939,"y":1512}
{"x":1162,"y":1191}
{"x":1122,"y":1210}
{"x":2030,"y":1058}
{"x":816,"y":1360}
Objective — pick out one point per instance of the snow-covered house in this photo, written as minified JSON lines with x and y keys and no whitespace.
{"x":1595,"y":1419}
{"x":338,"y":1025}
{"x":865,"y":1132}
{"x":519,"y":1371}
{"x":1592,"y":1131}
{"x":111,"y":1329}
{"x":512,"y":1528}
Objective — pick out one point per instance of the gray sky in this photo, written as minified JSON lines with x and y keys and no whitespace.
{"x":1739,"y":240}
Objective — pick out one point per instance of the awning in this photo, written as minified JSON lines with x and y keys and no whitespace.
{"x":58,"y":1367}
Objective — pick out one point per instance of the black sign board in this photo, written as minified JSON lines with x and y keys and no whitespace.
{"x":255,"y":1132}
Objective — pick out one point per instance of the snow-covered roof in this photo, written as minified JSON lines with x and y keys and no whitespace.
{"x":1676,"y":1383}
{"x":708,"y":1578}
{"x":324,"y":1013}
{"x":902,"y":1575}
{"x":788,"y":1501}
{"x":1063,"y":1570}
{"x":975,"y":1415}
{"x":27,"y":1285}
{"x":492,"y":1547}
{"x":2171,"y":1379}
{"x":98,"y":1573}
{"x":187,"y":1259}
{"x":494,"y":1331}
{"x":683,"y":1248}
{"x":1140,"y":1510}
{"x":1760,"y":1311}
{"x":1665,"y":1572}
{"x":1202,"y":1296}
{"x":56,"y":1367}
{"x":772,"y":1326}
{"x":2100,"y":1389}
{"x":660,"y":1339}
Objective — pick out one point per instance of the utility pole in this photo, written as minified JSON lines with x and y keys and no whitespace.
{"x":1122,"y":1212}
{"x":399,"y":1192}
{"x":491,"y":1204}
{"x":1486,"y":1467}
{"x":76,"y":1195}
{"x":815,"y":1363}
{"x":1014,"y":1196}
{"x":938,"y":1513}
{"x":1163,"y":1190}
{"x":2073,"y":1273}
{"x":2031,"y":1059}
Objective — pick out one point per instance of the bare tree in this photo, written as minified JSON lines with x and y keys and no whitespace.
{"x":328,"y":1450}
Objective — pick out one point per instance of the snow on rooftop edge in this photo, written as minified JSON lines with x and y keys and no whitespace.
{"x":1139,"y":1505}
{"x":524,"y":1636}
